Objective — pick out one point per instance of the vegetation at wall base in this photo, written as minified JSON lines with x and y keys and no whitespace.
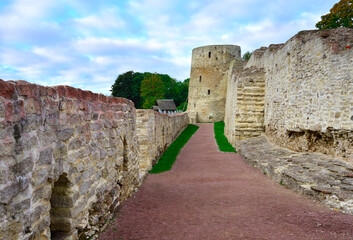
{"x":165,"y":163}
{"x":221,"y":140}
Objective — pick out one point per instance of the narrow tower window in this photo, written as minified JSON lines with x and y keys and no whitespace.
{"x":209,"y":55}
{"x":200,"y":79}
{"x":209,"y":91}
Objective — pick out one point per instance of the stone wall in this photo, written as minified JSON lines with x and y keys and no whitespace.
{"x":156,"y":131}
{"x":309,"y":92}
{"x":244,"y":112}
{"x":67,"y":159}
{"x":208,"y":81}
{"x":307,"y":96}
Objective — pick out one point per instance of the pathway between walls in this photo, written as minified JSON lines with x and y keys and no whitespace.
{"x":214,"y":195}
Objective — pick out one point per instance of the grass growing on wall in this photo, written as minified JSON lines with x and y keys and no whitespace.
{"x":165,"y":163}
{"x":221,"y":140}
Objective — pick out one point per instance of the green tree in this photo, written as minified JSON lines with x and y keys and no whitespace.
{"x":184,"y":89}
{"x":341,"y":15}
{"x":247,"y":55}
{"x":151,"y":90}
{"x":127,"y":85}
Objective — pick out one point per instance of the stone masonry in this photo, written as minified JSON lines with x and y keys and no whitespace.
{"x":307,"y":97}
{"x":68,"y":158}
{"x":319,"y":176}
{"x":245,"y":103}
{"x":208,"y":81}
{"x":289,"y":112}
{"x":309,"y":92}
{"x":155,"y":133}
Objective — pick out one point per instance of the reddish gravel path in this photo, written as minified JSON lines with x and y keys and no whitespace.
{"x":214,"y":195}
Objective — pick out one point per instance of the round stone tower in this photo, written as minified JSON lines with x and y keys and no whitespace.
{"x":208,"y":81}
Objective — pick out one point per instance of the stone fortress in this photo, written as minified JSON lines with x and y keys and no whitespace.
{"x":208,"y":81}
{"x":300,"y":94}
{"x":288,"y":110}
{"x":69,"y":158}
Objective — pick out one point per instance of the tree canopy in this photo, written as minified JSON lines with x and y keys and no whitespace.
{"x":341,"y":15}
{"x":151,"y":90}
{"x":129,"y":85}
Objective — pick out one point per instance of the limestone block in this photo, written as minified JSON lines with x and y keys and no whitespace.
{"x":45,"y":157}
{"x":13,"y":189}
{"x":65,"y":134}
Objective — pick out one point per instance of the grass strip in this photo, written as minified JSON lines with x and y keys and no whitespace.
{"x":165,"y":163}
{"x":221,"y":140}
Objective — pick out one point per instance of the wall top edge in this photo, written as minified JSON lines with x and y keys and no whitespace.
{"x":337,"y":40}
{"x":213,"y":46}
{"x":147,"y":111}
{"x":13,"y":89}
{"x":338,"y":36}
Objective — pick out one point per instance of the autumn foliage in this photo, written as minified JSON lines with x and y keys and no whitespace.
{"x":341,"y":15}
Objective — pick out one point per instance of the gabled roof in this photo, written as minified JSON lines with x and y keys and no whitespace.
{"x":166,"y":104}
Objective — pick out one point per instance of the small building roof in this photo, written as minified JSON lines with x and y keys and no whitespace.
{"x":166,"y":104}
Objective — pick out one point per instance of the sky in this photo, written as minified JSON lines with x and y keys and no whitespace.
{"x":87,"y":44}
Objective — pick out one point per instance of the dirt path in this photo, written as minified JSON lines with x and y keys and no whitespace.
{"x":214,"y":195}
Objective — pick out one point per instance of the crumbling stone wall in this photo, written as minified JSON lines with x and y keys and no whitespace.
{"x":155,"y":132}
{"x":67,"y":159}
{"x":208,"y":81}
{"x":309,"y":92}
{"x":244,"y":112}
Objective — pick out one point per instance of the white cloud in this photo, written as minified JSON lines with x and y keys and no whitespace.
{"x":88,"y":43}
{"x":106,"y":21}
{"x":27,"y":21}
{"x":112,"y":46}
{"x":51,"y":54}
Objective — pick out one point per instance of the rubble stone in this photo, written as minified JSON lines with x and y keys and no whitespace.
{"x":303,"y":172}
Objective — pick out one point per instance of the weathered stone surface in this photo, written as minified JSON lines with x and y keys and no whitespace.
{"x":306,"y":102}
{"x":244,"y":111}
{"x":326,"y":189}
{"x":155,"y":133}
{"x":38,"y":140}
{"x":12,"y":190}
{"x":303,"y":172}
{"x":208,"y":81}
{"x":45,"y":157}
{"x":20,"y":207}
{"x":75,"y":149}
{"x":309,"y":92}
{"x":43,"y":192}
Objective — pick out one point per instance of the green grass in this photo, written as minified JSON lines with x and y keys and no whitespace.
{"x":165,"y":163}
{"x":221,"y":140}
